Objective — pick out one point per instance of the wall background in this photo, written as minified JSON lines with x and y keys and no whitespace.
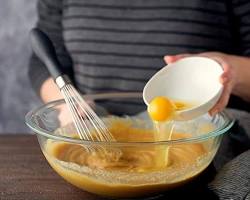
{"x":17,"y":17}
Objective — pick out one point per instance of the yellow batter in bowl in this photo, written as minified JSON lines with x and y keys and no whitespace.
{"x":131,"y":171}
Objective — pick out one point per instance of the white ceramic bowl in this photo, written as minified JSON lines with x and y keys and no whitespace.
{"x":192,"y":79}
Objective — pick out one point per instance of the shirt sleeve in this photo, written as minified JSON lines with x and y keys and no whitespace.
{"x":49,"y":21}
{"x":241,"y":25}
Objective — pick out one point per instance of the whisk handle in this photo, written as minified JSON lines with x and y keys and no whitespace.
{"x":45,"y":51}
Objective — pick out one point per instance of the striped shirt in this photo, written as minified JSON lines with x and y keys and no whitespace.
{"x":117,"y":45}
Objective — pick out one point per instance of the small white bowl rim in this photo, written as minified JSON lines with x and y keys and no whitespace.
{"x":198,"y":106}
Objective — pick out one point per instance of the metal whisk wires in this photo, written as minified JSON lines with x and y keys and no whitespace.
{"x":88,"y":125}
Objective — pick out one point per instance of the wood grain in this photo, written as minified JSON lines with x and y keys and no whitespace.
{"x":25,"y":174}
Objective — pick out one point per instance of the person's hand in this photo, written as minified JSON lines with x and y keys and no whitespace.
{"x":65,"y":115}
{"x":50,"y":92}
{"x":228,"y":79}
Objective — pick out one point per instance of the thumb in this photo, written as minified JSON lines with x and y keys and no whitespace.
{"x":173,"y":58}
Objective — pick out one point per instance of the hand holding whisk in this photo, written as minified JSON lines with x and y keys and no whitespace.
{"x":89,"y":126}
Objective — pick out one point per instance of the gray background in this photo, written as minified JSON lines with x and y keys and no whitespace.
{"x":16,"y":98}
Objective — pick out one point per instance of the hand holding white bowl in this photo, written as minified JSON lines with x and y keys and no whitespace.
{"x":193,"y":80}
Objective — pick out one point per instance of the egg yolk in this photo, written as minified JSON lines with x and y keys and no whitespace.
{"x":161,"y":109}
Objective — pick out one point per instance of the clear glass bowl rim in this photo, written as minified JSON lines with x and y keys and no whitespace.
{"x":229,"y":121}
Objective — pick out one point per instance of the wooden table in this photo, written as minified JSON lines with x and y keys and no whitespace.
{"x":25,"y":174}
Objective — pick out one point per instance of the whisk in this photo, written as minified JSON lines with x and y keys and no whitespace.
{"x":85,"y":125}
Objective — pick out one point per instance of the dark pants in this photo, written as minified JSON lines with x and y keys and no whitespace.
{"x":233,"y":144}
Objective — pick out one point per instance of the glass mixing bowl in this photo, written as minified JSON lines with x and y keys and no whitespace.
{"x":135,"y":165}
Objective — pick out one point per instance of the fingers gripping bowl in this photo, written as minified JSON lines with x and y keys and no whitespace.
{"x":133,"y":165}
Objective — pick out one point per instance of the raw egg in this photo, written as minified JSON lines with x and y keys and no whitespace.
{"x":161,"y":109}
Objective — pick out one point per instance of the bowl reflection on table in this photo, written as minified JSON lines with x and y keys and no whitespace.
{"x":134,"y":165}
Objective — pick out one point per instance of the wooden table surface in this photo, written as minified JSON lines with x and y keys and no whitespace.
{"x":25,"y":174}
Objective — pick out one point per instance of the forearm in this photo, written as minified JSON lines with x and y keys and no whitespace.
{"x":50,"y":15}
{"x":49,"y":91}
{"x":241,"y":67}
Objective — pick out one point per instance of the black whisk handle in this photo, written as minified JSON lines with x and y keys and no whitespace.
{"x":45,"y":51}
